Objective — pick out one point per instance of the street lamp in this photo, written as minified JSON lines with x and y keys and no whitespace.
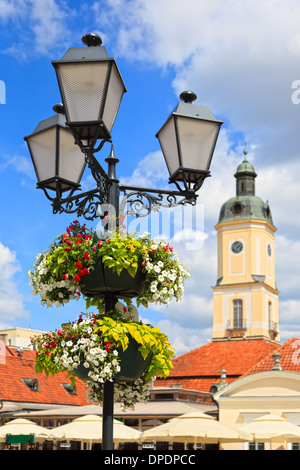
{"x":91,"y":89}
{"x":58,"y":163}
{"x":62,"y":146}
{"x":188,"y":139}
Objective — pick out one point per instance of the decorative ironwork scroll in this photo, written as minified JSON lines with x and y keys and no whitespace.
{"x":142,"y":201}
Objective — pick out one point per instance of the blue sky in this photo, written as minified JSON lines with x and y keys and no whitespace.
{"x":241,"y":59}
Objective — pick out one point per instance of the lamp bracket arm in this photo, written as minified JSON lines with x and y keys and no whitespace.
{"x":142,"y":201}
{"x":85,"y":204}
{"x":100,"y":176}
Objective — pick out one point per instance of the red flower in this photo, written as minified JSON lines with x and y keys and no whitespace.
{"x":48,"y":353}
{"x":77,"y":278}
{"x":125,"y":309}
{"x":75,"y":222}
{"x":122,"y":218}
{"x":78,"y":265}
{"x":66,"y":277}
{"x":83,"y":272}
{"x":86,"y":256}
{"x":107,"y":347}
{"x":87,"y":238}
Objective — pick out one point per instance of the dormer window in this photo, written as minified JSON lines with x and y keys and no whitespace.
{"x":32,"y":384}
{"x":68,"y":387}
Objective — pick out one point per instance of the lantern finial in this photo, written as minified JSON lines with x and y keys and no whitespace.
{"x":188,"y":96}
{"x":91,"y":39}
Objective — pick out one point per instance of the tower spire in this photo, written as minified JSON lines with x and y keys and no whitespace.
{"x":245,"y":177}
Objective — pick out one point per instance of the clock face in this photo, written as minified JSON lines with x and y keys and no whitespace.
{"x":237,"y":247}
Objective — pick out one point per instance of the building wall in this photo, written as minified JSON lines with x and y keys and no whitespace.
{"x":272,"y":392}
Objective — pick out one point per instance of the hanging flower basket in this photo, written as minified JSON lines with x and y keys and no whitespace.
{"x":82,"y":261}
{"x":103,"y":279}
{"x":107,"y":347}
{"x":131,"y":362}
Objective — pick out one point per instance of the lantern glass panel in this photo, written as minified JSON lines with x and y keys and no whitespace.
{"x":83,"y":89}
{"x":168,"y":141}
{"x":114,"y":96}
{"x":43,"y":150}
{"x":197,"y":141}
{"x":71,"y":159}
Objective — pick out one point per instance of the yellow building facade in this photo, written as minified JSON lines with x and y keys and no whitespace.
{"x":245,"y":295}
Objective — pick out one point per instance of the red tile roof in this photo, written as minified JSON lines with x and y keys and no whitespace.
{"x":13,"y":369}
{"x":289,"y":360}
{"x":200,"y":368}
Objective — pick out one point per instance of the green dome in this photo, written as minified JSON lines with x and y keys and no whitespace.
{"x":245,"y":167}
{"x":245,"y":207}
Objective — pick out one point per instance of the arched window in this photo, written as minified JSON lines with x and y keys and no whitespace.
{"x":238,"y":313}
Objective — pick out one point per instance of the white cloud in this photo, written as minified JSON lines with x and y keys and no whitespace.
{"x":46,"y":25}
{"x":150,"y":172}
{"x":11,"y":301}
{"x":239,"y":57}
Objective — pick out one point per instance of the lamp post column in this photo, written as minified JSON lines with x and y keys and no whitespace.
{"x":108,"y":397}
{"x":110,"y":303}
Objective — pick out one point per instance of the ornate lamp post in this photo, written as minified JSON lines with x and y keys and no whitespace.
{"x":62,"y":146}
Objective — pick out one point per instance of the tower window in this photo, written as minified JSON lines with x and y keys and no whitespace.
{"x":238,"y":313}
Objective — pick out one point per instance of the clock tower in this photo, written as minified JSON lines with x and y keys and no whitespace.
{"x":245,"y":295}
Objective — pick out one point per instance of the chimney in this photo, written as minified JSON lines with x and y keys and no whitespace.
{"x":276,"y":357}
{"x":3,"y":338}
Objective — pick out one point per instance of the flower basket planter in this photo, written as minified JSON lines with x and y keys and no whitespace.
{"x":121,"y":266}
{"x":132,"y":364}
{"x":103,"y":280}
{"x":104,"y":348}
